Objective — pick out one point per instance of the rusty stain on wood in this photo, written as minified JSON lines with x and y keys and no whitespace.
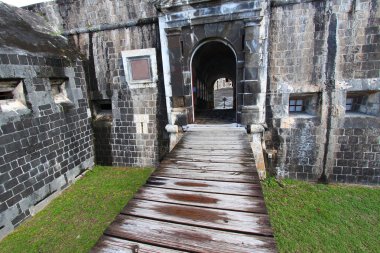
{"x":191,"y":184}
{"x":232,"y":188}
{"x":191,"y":198}
{"x":166,"y":234}
{"x":225,"y":176}
{"x":244,"y":222}
{"x":191,"y":213}
{"x":204,"y":197}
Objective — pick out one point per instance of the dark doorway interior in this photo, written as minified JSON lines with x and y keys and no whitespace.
{"x":212,"y":63}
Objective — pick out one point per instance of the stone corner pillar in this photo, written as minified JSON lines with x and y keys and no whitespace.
{"x":179,"y":120}
{"x":255,"y":71}
{"x":257,"y":131}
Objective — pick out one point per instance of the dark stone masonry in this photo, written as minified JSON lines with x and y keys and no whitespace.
{"x":326,"y":54}
{"x":46,"y":140}
{"x":115,"y":82}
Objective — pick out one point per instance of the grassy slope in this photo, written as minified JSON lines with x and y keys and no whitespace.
{"x":324,"y":218}
{"x":75,"y":220}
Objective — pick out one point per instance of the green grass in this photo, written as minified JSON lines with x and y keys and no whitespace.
{"x":310,"y":217}
{"x":74,"y":221}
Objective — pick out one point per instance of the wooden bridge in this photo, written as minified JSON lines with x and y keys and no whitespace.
{"x":205,"y":197}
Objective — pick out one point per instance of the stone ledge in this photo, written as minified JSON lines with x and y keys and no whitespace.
{"x":276,"y":3}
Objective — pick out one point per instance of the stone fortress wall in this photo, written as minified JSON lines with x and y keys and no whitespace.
{"x":320,"y":52}
{"x":45,"y":130}
{"x":325,"y":53}
{"x":76,"y":104}
{"x":101,"y":30}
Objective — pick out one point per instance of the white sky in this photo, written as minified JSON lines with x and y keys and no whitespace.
{"x":20,"y":3}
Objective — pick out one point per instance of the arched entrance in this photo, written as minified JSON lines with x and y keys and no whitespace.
{"x":211,"y":62}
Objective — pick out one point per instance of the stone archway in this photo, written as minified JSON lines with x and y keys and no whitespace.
{"x":211,"y":60}
{"x":187,"y":26}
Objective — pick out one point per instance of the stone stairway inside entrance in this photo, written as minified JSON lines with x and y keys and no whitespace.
{"x":204,"y":197}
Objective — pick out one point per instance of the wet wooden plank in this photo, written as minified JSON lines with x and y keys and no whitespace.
{"x":200,"y":216}
{"x":224,"y":138}
{"x":211,"y":152}
{"x":214,"y":146}
{"x":184,"y":160}
{"x":210,"y":200}
{"x":246,"y":168}
{"x":202,"y":141}
{"x":209,"y":134}
{"x":108,"y":244}
{"x":200,"y":164}
{"x":243,"y":189}
{"x":205,"y":197}
{"x":216,"y":131}
{"x":214,"y":143}
{"x":208,"y":175}
{"x":184,"y":237}
{"x":211,"y":158}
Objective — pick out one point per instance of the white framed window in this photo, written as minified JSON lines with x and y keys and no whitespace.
{"x":307,"y":104}
{"x":296,"y":105}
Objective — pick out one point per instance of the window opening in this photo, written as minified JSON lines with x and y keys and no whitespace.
{"x":353,"y":103}
{"x":304,"y":104}
{"x":12,"y":96}
{"x":359,"y":103}
{"x":4,"y":95}
{"x":105,"y":106}
{"x":59,"y":93}
{"x":103,"y":109}
{"x":296,"y":105}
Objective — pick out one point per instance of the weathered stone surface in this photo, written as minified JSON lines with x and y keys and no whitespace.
{"x":24,"y":32}
{"x":322,"y":53}
{"x":323,"y":47}
{"x":121,"y":141}
{"x":46,"y":144}
{"x":317,"y":49}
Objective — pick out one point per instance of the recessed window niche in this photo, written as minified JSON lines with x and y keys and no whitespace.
{"x":59,"y":92}
{"x":12,"y":96}
{"x":103,"y":109}
{"x":304,"y":104}
{"x":363,"y":103}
